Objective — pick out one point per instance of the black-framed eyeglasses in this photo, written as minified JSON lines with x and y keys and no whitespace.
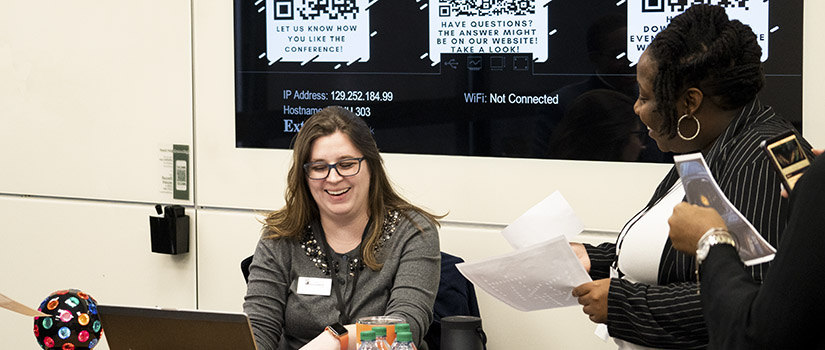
{"x":345,"y":168}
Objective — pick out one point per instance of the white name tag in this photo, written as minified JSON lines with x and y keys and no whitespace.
{"x":314,"y":286}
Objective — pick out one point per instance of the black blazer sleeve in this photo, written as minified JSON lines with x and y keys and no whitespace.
{"x":786,"y":312}
{"x":601,"y":257}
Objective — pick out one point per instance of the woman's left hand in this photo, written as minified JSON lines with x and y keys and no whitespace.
{"x":689,"y":222}
{"x":817,"y":153}
{"x":593,"y":298}
{"x":325,"y":341}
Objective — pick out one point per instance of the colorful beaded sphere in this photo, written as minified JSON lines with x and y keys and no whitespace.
{"x":74,"y":324}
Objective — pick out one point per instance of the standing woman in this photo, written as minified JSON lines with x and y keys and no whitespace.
{"x":344,"y":246}
{"x":698,"y":82}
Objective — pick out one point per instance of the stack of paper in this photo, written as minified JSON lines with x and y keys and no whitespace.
{"x":543,"y":270}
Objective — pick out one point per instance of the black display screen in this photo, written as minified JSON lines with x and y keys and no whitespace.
{"x":502,"y":78}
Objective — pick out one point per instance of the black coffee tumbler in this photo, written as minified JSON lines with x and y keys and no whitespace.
{"x":462,"y":333}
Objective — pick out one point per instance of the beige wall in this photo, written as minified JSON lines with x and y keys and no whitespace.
{"x":91,"y":89}
{"x":813,"y":56}
{"x":89,"y":92}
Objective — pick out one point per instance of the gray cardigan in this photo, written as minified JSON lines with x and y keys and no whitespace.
{"x":405,"y":286}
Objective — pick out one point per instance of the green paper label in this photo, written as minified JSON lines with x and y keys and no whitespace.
{"x":180,"y":171}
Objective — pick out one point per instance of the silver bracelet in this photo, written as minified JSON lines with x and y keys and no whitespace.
{"x":712,"y":237}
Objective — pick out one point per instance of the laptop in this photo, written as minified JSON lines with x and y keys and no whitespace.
{"x":142,"y":328}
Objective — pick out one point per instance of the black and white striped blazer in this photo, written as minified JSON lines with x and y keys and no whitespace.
{"x":669,"y":314}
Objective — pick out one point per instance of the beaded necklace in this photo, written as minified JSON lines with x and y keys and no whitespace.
{"x":315,"y":252}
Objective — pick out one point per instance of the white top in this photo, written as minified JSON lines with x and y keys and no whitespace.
{"x":643,"y":240}
{"x":641,"y":243}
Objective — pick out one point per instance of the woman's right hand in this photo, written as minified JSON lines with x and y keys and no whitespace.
{"x":581,"y":253}
{"x":689,"y":222}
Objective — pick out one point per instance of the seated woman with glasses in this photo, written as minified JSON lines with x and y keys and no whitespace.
{"x":344,"y":246}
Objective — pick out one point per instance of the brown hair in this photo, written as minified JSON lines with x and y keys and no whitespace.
{"x":300,"y":208}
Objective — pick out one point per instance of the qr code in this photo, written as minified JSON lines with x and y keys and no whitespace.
{"x":456,"y":8}
{"x":682,"y":5}
{"x":332,"y":9}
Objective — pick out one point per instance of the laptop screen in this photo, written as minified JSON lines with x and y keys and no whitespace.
{"x":140,"y":328}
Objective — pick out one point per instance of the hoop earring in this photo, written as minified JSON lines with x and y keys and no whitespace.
{"x":679,"y":124}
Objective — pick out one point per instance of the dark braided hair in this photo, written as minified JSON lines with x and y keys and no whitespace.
{"x":702,"y":48}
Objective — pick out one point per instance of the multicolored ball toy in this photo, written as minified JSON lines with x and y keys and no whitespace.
{"x":75,"y":323}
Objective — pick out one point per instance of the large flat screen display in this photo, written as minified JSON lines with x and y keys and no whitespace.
{"x":500,"y":78}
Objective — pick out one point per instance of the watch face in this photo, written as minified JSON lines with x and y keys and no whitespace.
{"x":338,"y":328}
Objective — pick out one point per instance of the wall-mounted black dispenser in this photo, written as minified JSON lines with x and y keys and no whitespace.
{"x":170,"y":232}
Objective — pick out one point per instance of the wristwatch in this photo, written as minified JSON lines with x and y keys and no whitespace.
{"x":339,"y":332}
{"x":711,"y":238}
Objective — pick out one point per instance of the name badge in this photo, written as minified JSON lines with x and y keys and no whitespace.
{"x":314,"y":286}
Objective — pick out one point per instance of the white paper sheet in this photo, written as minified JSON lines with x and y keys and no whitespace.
{"x":702,"y":189}
{"x":538,"y":277}
{"x":549,"y":218}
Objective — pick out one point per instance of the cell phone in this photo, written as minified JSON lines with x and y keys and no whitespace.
{"x":787,"y":157}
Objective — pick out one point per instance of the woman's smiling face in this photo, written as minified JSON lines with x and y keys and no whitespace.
{"x":339,"y":197}
{"x":645,"y":106}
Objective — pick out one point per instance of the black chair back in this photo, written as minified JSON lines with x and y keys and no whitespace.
{"x":245,"y":268}
{"x":456,"y":297}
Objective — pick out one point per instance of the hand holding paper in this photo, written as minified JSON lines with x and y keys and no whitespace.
{"x":701,"y":189}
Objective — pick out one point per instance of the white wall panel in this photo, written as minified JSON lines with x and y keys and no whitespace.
{"x":225,"y":237}
{"x":90,"y":90}
{"x":813,"y":74}
{"x":102,"y":248}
